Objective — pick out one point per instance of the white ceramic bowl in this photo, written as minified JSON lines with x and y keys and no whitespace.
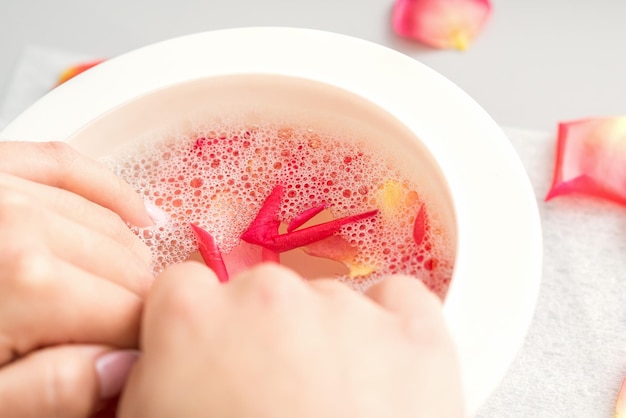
{"x":497,"y":270}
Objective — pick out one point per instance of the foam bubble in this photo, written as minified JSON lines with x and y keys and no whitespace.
{"x":217,"y":175}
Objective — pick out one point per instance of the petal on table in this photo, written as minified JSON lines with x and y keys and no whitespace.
{"x":441,"y":23}
{"x":73,"y":71}
{"x":620,"y":404}
{"x":591,"y":159}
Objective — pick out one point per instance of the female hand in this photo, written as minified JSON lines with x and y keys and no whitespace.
{"x":72,"y":277}
{"x":269,"y":344}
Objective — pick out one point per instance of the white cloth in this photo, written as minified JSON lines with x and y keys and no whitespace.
{"x":574,"y":357}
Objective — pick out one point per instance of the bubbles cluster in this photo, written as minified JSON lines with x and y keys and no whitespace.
{"x":218,"y":176}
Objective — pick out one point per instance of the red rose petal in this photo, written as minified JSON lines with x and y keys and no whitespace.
{"x":441,"y":23}
{"x":263,"y":230}
{"x":210,"y":253}
{"x":244,"y":256}
{"x":591,"y":159}
{"x":304,"y":217}
{"x":266,"y":222}
{"x":419,"y":227}
{"x":302,"y":237}
{"x":269,"y":256}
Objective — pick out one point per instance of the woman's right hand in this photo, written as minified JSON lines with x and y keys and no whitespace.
{"x":72,"y":279}
{"x":269,"y":344}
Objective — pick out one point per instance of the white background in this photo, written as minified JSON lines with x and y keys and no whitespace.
{"x":537,"y":62}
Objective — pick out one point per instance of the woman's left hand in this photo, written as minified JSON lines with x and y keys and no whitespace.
{"x":72,"y":280}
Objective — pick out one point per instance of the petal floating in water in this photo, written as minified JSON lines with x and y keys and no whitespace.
{"x":210,"y":253}
{"x":419,"y":226}
{"x":263,"y":230}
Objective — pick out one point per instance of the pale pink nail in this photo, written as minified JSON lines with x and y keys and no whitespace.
{"x":113,"y":369}
{"x":155,"y":213}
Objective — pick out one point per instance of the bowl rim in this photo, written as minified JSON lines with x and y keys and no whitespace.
{"x":499,"y":233}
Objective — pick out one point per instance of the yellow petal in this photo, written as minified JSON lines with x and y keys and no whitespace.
{"x":360,"y":270}
{"x":460,"y":40}
{"x":620,"y":404}
{"x":390,"y":197}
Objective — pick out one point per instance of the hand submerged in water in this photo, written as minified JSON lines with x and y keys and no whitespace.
{"x":72,"y":279}
{"x":269,"y":344}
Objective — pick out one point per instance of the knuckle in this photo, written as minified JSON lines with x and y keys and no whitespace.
{"x":29,"y":272}
{"x":61,"y":152}
{"x":273,"y":286}
{"x":426,"y":332}
{"x":176,"y":293}
{"x":13,"y":205}
{"x":180,"y":302}
{"x":332,"y":288}
{"x":63,"y":157}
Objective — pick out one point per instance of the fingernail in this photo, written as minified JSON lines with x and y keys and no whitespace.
{"x":155,"y":213}
{"x":113,"y":369}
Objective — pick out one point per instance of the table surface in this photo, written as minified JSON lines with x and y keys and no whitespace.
{"x":535,"y":64}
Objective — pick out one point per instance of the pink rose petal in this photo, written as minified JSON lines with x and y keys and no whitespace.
{"x":441,"y":23}
{"x":591,"y":159}
{"x":339,"y":249}
{"x":334,"y":248}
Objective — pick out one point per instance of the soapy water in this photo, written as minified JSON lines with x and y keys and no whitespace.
{"x":218,"y":175}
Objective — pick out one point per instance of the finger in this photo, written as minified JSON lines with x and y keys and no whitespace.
{"x":270,"y":272}
{"x":332,"y":288}
{"x":326,"y":286}
{"x":269,"y":285}
{"x":191,"y":279}
{"x":65,"y":381}
{"x":45,"y":301}
{"x":57,"y":164}
{"x":24,"y":225}
{"x":77,"y":209}
{"x":183,"y":295}
{"x":405,"y":296}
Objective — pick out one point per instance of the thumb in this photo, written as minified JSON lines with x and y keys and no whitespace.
{"x":70,"y":381}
